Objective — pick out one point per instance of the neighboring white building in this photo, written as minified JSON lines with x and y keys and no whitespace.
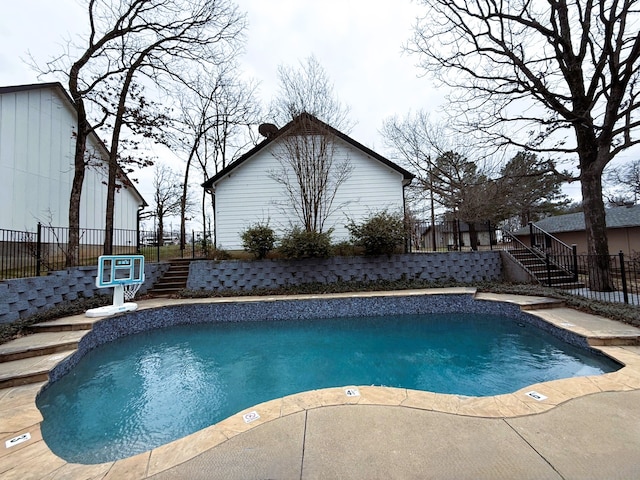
{"x":246,"y":192}
{"x":37,"y":144}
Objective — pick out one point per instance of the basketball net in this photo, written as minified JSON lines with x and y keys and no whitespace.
{"x":130,"y":290}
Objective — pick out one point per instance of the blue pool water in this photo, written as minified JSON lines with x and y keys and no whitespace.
{"x":145,"y":390}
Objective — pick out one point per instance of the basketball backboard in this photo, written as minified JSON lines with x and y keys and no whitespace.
{"x":119,"y":270}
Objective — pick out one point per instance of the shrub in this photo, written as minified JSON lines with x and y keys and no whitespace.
{"x":343,"y":249}
{"x":298,"y":243}
{"x":218,"y":253}
{"x":381,"y":233}
{"x":259,"y":240}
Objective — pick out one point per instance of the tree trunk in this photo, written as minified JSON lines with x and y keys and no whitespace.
{"x":596,"y":230}
{"x":183,"y":199}
{"x":73,"y":250}
{"x":160,"y":232}
{"x":473,"y":236}
{"x":113,"y":155}
{"x":109,"y":213}
{"x":183,"y":209}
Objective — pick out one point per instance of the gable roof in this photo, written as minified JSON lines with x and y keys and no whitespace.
{"x":616,"y":217}
{"x":305,"y":119}
{"x":62,"y":92}
{"x":38,"y":86}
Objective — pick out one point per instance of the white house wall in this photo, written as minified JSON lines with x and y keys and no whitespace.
{"x":36,"y":166}
{"x":248,"y":196}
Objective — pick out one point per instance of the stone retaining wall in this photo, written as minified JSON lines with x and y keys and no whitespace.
{"x":23,"y":297}
{"x":239,"y":275}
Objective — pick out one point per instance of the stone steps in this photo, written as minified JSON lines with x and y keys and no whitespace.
{"x":30,"y":370}
{"x":537,"y":266}
{"x":29,"y":359}
{"x":174,"y":279}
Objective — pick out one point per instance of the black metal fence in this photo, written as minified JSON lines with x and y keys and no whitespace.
{"x":45,"y":249}
{"x":196,"y":245}
{"x":622,"y":280}
{"x":27,"y":254}
{"x":35,"y":253}
{"x":556,"y":264}
{"x":451,"y":235}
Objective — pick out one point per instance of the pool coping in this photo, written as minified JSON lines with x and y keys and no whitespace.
{"x":614,"y":339}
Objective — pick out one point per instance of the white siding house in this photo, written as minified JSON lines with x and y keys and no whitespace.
{"x":246,"y":192}
{"x":37,"y":142}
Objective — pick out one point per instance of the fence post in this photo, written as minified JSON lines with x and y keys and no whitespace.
{"x":623,"y":274}
{"x":38,"y":249}
{"x":531,"y":239}
{"x":548,"y":261}
{"x":490,"y":236}
{"x":574,"y":250}
{"x":193,"y":244}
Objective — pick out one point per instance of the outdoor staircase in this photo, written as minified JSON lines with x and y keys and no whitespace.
{"x":174,"y":280}
{"x":536,"y":264}
{"x":29,"y":359}
{"x":549,"y":260}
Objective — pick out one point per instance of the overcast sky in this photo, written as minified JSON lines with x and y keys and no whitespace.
{"x":358,"y":42}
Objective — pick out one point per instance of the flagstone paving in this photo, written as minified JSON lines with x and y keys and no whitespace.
{"x":585,"y":427}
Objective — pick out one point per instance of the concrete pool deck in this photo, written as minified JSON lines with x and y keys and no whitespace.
{"x":585,"y":427}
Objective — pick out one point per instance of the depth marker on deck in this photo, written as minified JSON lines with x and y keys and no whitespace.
{"x":12,"y":442}
{"x":536,"y":396}
{"x":250,"y":417}
{"x":352,"y":392}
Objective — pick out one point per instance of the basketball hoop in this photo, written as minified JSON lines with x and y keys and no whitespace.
{"x":123,"y":273}
{"x":130,"y":290}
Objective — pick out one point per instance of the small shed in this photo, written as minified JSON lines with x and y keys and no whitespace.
{"x":247,"y":192}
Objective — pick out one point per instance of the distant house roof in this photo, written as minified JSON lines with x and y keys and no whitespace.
{"x":617,"y":217}
{"x":449,"y":226}
{"x":65,"y":95}
{"x":303,"y":118}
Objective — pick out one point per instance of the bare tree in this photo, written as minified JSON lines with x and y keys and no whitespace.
{"x":625,"y":180}
{"x":167,"y":197}
{"x":418,"y":141}
{"x":216,"y":111}
{"x":308,"y":89}
{"x":309,"y":171}
{"x":472,"y":191}
{"x":442,"y":168}
{"x":156,"y":38}
{"x":546,"y":76}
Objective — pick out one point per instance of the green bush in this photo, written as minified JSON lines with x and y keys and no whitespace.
{"x":380,"y":233}
{"x":259,"y":240}
{"x":298,"y":243}
{"x":218,"y":254}
{"x":343,"y":249}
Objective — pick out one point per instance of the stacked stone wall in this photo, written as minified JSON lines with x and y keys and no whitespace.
{"x":24,"y":297}
{"x":465,"y":267}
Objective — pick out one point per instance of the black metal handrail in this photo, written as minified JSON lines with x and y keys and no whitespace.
{"x":508,"y":238}
{"x":556,"y":253}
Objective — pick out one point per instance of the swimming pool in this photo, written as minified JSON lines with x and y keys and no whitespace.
{"x":151,"y":388}
{"x":148,"y":389}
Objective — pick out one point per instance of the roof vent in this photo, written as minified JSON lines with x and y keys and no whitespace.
{"x":267,"y":130}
